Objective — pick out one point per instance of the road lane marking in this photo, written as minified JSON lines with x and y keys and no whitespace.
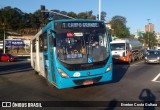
{"x":155,"y":79}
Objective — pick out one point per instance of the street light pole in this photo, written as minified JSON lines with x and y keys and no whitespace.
{"x":148,"y":33}
{"x":4,"y":51}
{"x":99,"y":9}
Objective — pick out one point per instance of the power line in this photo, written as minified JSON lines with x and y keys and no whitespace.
{"x":57,"y":13}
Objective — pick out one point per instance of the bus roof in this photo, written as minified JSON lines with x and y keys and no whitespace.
{"x":75,"y":20}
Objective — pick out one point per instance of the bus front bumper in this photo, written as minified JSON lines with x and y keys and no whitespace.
{"x":73,"y":82}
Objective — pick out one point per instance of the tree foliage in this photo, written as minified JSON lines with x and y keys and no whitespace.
{"x":149,"y":39}
{"x":9,"y":17}
{"x":86,"y":15}
{"x":103,"y":15}
{"x":16,"y":20}
{"x":72,"y":14}
{"x":118,"y":24}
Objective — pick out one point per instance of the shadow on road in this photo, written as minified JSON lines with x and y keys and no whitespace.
{"x":14,"y":67}
{"x":119,"y":70}
{"x":148,"y":98}
{"x":112,"y":105}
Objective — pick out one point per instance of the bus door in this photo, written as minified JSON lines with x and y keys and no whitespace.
{"x":51,"y":71}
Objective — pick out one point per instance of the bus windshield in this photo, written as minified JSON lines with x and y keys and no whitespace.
{"x":76,"y":46}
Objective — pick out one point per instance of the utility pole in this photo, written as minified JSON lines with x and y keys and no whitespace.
{"x":4,"y":44}
{"x":148,"y":33}
{"x":4,"y":37}
{"x":99,"y":9}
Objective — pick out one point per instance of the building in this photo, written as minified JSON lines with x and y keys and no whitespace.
{"x":108,"y":24}
{"x":139,"y":33}
{"x":15,"y":37}
{"x":149,"y":27}
{"x":158,"y":36}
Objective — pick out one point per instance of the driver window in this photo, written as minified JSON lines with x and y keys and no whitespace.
{"x":73,"y":45}
{"x":127,"y":47}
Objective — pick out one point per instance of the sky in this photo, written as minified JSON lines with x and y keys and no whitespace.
{"x":136,"y":12}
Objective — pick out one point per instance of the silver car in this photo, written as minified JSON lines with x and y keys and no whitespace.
{"x":152,"y":56}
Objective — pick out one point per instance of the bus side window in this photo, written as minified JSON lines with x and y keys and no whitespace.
{"x":34,"y":45}
{"x":43,"y":42}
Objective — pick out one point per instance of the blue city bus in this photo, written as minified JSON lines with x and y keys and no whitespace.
{"x":71,"y":53}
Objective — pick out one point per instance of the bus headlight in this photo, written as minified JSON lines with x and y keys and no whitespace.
{"x":62,"y":73}
{"x":109,"y":67}
{"x":158,"y":58}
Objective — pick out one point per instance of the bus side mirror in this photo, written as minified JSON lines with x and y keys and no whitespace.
{"x":54,"y":39}
{"x":52,"y":31}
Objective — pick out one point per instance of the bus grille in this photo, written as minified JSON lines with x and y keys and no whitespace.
{"x":80,"y":82}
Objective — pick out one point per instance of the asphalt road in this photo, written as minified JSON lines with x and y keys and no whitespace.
{"x":135,"y":82}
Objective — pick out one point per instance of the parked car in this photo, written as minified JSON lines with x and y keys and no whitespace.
{"x":7,"y":57}
{"x":152,"y":56}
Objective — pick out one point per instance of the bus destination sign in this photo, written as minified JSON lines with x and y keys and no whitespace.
{"x":80,"y":25}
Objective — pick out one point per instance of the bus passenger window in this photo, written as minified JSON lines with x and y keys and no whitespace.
{"x":43,"y":42}
{"x":34,"y":45}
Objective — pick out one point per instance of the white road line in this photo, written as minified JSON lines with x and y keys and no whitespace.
{"x":154,"y":80}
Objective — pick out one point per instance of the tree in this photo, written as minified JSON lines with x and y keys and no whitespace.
{"x":103,"y":15}
{"x":63,"y":13}
{"x":82,"y":15}
{"x":86,"y":15}
{"x":149,"y":39}
{"x":55,"y":16}
{"x":90,"y":15}
{"x":72,"y":14}
{"x":118,"y":24}
{"x":10,"y":16}
{"x":40,"y":19}
{"x":1,"y":34}
{"x":58,"y":15}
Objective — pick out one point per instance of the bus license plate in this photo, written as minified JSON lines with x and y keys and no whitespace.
{"x":88,"y":82}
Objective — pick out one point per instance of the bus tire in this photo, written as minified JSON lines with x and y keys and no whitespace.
{"x":35,"y":72}
{"x":47,"y":79}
